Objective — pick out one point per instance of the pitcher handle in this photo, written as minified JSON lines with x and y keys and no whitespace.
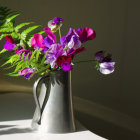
{"x":35,"y":87}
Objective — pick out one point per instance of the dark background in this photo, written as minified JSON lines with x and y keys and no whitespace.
{"x":117,"y":26}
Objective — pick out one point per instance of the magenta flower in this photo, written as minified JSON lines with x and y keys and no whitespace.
{"x":25,"y":51}
{"x":37,"y":42}
{"x":86,"y":34}
{"x":66,"y":66}
{"x":10,"y":44}
{"x":71,"y":40}
{"x":26,"y":73}
{"x":50,"y":34}
{"x":106,"y":67}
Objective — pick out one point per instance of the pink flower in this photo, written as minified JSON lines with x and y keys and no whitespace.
{"x":26,"y":73}
{"x":86,"y":34}
{"x":36,"y":42}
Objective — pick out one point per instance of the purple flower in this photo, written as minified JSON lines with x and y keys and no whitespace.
{"x":57,"y":20}
{"x":37,"y":42}
{"x":86,"y":34}
{"x":25,"y":51}
{"x":66,"y":66}
{"x":55,"y":24}
{"x":71,"y":40}
{"x":106,"y":67}
{"x":9,"y":45}
{"x":104,"y":63}
{"x":26,"y":73}
{"x":54,"y":52}
{"x":100,"y":56}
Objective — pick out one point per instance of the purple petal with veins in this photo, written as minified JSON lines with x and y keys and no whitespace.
{"x":106,"y":67}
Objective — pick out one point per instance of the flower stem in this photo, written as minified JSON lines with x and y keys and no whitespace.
{"x":84,"y":61}
{"x":59,"y":32}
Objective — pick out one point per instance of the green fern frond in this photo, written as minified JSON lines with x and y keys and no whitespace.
{"x":6,"y":30}
{"x":22,"y":25}
{"x":37,"y":55}
{"x":13,"y":74}
{"x":28,"y":30}
{"x":9,"y":19}
{"x":3,"y":51}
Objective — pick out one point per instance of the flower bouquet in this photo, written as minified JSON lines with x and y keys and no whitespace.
{"x":32,"y":52}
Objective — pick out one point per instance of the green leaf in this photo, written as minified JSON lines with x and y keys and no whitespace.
{"x":28,"y":30}
{"x":3,"y":51}
{"x":22,"y":25}
{"x":13,"y":74}
{"x":6,"y":30}
{"x":7,"y":62}
{"x":11,"y":66}
{"x":19,"y":66}
{"x":22,"y":57}
{"x":32,"y":56}
{"x":15,"y":35}
{"x":27,"y":57}
{"x":37,"y":55}
{"x":44,"y":57}
{"x":12,"y":17}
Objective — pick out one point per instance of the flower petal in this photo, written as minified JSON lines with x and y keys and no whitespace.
{"x":86,"y":34}
{"x":106,"y":67}
{"x":66,"y":66}
{"x":9,"y":46}
{"x":50,"y":34}
{"x":26,"y":73}
{"x":36,"y":41}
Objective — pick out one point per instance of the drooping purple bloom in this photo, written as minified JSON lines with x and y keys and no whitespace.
{"x":57,"y":20}
{"x":106,"y":67}
{"x":54,"y":52}
{"x":9,"y":45}
{"x":71,"y":40}
{"x":66,"y":66}
{"x":55,"y":24}
{"x":100,"y":56}
{"x":25,"y":51}
{"x":26,"y":73}
{"x":37,"y":42}
{"x":86,"y":34}
{"x":104,"y":63}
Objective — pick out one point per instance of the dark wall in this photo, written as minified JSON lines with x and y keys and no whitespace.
{"x":117,"y":26}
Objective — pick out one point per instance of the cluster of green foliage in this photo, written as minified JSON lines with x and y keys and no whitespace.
{"x":22,"y":38}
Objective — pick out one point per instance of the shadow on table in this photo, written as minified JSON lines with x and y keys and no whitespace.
{"x":15,"y":131}
{"x":5,"y":126}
